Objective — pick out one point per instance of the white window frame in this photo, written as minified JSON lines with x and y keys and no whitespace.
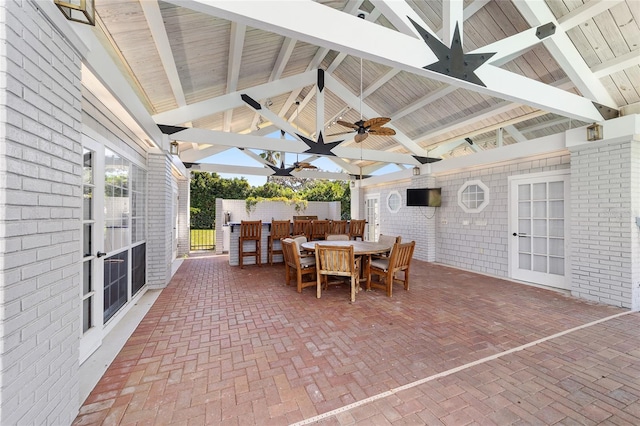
{"x":392,"y":193}
{"x":482,"y":205}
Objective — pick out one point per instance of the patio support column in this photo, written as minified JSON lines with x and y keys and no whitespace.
{"x":605,"y":205}
{"x":184,"y":223}
{"x":160,"y":195}
{"x":357,"y":200}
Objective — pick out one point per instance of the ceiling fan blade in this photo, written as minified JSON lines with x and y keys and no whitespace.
{"x":377,"y":122}
{"x":360,"y":137}
{"x":382,"y":131}
{"x":340,"y":133}
{"x":347,"y":124}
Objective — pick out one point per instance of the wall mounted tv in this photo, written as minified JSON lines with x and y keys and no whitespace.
{"x":425,"y":197}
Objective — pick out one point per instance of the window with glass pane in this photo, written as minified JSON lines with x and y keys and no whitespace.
{"x":138,"y":192}
{"x":116,"y":187}
{"x":88,"y":221}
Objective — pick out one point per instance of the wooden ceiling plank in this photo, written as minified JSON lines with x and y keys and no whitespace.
{"x":515,"y":133}
{"x":345,"y":94}
{"x":585,"y":12}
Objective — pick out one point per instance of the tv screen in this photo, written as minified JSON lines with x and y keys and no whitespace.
{"x":425,"y":197}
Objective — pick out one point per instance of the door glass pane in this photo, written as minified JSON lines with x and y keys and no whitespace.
{"x":524,"y":226}
{"x":87,"y":203}
{"x":524,"y":209}
{"x":87,"y":285}
{"x":540,"y":191}
{"x":524,"y":192}
{"x":556,"y":190}
{"x":556,"y":247}
{"x":556,"y":265}
{"x":556,"y":209}
{"x":524,"y":244}
{"x":87,"y":245}
{"x":540,"y":263}
{"x":525,"y":261}
{"x":540,"y":227}
{"x":556,"y":228}
{"x":86,"y":314}
{"x":540,"y":209}
{"x":540,"y":245}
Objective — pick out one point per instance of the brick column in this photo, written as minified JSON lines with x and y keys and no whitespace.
{"x":160,"y":221}
{"x":605,"y":200}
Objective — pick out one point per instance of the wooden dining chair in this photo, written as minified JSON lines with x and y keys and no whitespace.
{"x":356,"y":229}
{"x":250,"y":232}
{"x":337,"y":237}
{"x":279,"y":229}
{"x":319,"y":229}
{"x":338,"y":227}
{"x":302,"y":227}
{"x":389,"y":240}
{"x":387,"y":268}
{"x":336,"y":261}
{"x":298,"y":266}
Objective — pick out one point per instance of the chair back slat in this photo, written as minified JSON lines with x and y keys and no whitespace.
{"x":319,"y":229}
{"x":335,"y":260}
{"x":338,"y":227}
{"x":302,"y":227}
{"x":250,"y":229}
{"x":280,"y":229}
{"x":356,"y":228}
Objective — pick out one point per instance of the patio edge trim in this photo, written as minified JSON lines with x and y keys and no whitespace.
{"x":453,"y":370}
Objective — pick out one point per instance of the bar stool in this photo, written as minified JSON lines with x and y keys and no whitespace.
{"x":279,"y":229}
{"x":250,"y":230}
{"x":338,"y":227}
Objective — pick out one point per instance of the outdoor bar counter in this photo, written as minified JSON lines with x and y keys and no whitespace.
{"x":234,"y":246}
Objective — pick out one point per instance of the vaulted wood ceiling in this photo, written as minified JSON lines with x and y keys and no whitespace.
{"x":542,"y":67}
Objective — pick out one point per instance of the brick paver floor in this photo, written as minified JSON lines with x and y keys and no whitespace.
{"x":228,"y":346}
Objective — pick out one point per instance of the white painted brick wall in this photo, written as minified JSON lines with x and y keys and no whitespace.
{"x":40,"y":213}
{"x":605,"y":184}
{"x":411,"y":223}
{"x":482,"y":244}
{"x":160,"y":222}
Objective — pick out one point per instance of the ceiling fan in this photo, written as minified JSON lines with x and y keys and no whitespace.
{"x":364,"y":128}
{"x":301,"y":165}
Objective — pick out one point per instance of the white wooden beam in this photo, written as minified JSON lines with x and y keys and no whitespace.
{"x":565,"y":53}
{"x":618,"y":64}
{"x":232,"y":100}
{"x":421,"y":103}
{"x":515,"y":133}
{"x":236,"y":46}
{"x":154,"y":19}
{"x":452,"y":15}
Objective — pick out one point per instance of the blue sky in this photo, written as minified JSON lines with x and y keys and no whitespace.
{"x":236,"y":157}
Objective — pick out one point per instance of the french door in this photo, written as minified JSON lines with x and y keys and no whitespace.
{"x":372,"y":215}
{"x":92,"y":242}
{"x":538,"y":228}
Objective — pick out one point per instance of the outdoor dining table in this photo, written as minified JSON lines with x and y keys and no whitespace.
{"x":360,"y":248}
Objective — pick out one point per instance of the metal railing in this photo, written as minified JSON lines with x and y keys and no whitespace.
{"x":203,"y":239}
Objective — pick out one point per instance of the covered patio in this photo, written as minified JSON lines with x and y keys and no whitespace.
{"x":223,"y":345}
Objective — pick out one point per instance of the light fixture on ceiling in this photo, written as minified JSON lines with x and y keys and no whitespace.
{"x":174,"y":148}
{"x":82,"y":11}
{"x":594,"y":132}
{"x":416,"y":171}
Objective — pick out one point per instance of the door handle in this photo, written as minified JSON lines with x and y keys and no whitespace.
{"x":515,"y":234}
{"x":100,"y":254}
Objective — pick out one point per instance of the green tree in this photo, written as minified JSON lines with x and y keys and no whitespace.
{"x":205,"y":188}
{"x":329,"y":190}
